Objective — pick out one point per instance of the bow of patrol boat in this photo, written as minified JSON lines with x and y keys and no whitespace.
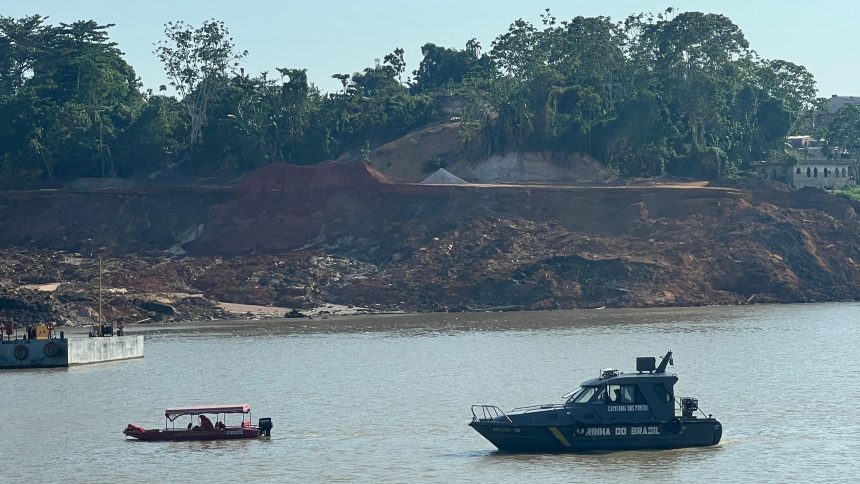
{"x":527,"y":429}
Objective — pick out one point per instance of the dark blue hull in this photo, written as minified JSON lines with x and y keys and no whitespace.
{"x":580,"y":438}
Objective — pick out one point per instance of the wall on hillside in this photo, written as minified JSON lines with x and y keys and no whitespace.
{"x":533,"y":167}
{"x":413,"y":157}
{"x":116,"y":221}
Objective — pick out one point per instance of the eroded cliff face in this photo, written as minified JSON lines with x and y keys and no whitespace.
{"x":342,"y":233}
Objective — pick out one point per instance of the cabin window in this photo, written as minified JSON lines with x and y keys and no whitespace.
{"x":629,"y":394}
{"x":612,"y":394}
{"x":843,"y":173}
{"x":619,"y":394}
{"x":808,"y":172}
{"x":662,"y":393}
{"x":815,"y":172}
{"x":584,"y":395}
{"x":798,"y":170}
{"x":826,"y":171}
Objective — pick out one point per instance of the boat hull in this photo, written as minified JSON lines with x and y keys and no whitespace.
{"x":170,"y":435}
{"x":581,"y":438}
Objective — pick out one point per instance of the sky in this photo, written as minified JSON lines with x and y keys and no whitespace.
{"x":342,"y":36}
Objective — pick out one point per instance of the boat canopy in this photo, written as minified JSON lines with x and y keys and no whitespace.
{"x":175,"y":412}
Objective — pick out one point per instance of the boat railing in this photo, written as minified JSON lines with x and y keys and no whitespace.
{"x":535,"y":408}
{"x":487,"y":413}
{"x":687,"y":406}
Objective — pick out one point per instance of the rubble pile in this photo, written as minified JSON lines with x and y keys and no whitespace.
{"x":300,"y":238}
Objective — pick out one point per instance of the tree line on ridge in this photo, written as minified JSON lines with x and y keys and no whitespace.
{"x":680,"y":93}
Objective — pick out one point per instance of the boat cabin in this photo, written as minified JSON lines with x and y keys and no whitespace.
{"x":648,"y":394}
{"x":623,"y":397}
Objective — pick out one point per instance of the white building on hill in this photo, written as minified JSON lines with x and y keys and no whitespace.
{"x":814,"y":169}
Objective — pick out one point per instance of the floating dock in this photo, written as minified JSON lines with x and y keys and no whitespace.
{"x":64,"y":352}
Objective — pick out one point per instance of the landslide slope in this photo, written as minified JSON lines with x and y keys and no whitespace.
{"x":342,"y":233}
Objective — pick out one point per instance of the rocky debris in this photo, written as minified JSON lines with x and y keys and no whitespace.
{"x":295,"y":313}
{"x":130,"y":289}
{"x":158,"y":307}
{"x":304,"y":237}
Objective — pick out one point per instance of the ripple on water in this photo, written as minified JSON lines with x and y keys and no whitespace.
{"x":387,"y":398}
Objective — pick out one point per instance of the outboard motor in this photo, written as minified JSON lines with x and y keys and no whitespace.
{"x":265,"y":426}
{"x":688,"y":406}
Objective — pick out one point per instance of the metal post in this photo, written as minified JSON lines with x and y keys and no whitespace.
{"x":101,"y":326}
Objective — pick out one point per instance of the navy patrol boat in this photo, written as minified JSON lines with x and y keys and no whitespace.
{"x":616,"y":411}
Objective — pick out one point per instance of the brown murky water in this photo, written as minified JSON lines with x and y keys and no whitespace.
{"x":387,"y":398}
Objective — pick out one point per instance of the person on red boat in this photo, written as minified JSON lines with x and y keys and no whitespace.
{"x":205,"y":423}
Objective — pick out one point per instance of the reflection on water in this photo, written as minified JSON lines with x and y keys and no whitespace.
{"x":387,"y":397}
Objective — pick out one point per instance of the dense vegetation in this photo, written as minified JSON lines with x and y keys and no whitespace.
{"x":672,"y":93}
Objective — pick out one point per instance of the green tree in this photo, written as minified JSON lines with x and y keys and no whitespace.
{"x":106,"y":86}
{"x":843,"y":133}
{"x":396,"y":61}
{"x":795,"y":87}
{"x":68,"y":95}
{"x":694,"y":62}
{"x":197,"y":62}
{"x":23,"y":42}
{"x":275,"y":116}
{"x":343,"y":78}
{"x":152,"y":141}
{"x":441,"y":66}
{"x":589,"y":51}
{"x":517,"y":52}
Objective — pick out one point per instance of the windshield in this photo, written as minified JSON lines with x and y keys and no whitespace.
{"x":581,"y":395}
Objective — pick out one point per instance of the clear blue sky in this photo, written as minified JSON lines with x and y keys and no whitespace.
{"x":342,"y":36}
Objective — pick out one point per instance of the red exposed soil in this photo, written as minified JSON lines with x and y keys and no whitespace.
{"x":342,"y":233}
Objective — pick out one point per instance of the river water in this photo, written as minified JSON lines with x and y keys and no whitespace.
{"x":386,"y":398}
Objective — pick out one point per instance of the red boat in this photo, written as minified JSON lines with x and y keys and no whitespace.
{"x":203,"y":429}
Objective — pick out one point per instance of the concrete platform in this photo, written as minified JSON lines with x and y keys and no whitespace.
{"x":65,"y":352}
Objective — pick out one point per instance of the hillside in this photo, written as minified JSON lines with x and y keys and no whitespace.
{"x":342,"y":233}
{"x":412,"y":157}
